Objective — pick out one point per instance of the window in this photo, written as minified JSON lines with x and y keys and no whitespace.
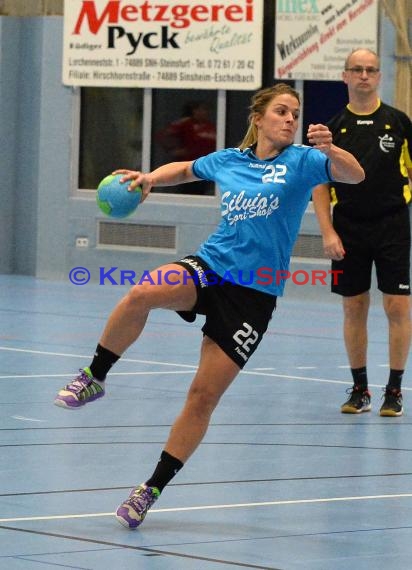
{"x":110,"y":132}
{"x":183,"y":128}
{"x":321,"y":101}
{"x":237,"y":109}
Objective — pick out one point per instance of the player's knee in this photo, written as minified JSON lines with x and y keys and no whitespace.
{"x":397,"y":309}
{"x":140,"y":296}
{"x":356,"y":308}
{"x":202,"y":401}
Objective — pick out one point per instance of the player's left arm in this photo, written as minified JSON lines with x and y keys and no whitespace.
{"x":407,"y":145}
{"x":408,"y":157}
{"x":167,"y":175}
{"x":344,"y":166}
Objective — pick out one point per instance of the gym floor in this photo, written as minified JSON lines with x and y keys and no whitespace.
{"x":282,"y":480}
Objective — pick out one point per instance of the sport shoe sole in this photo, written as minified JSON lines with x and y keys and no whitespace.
{"x":345,"y":409}
{"x":392,"y":406}
{"x":390,"y":413}
{"x":82,"y":390}
{"x":73,"y":404}
{"x":133,"y":511}
{"x":124,"y":518}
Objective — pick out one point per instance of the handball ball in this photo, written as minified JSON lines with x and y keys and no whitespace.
{"x":114,"y":199}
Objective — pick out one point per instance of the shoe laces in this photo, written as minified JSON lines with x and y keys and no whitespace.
{"x":141,"y":499}
{"x":357,"y":390}
{"x":80,"y":382}
{"x":391,"y":393}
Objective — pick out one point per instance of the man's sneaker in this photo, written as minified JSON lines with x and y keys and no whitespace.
{"x":83,"y":389}
{"x":392,"y":403}
{"x":132,"y":512}
{"x":359,"y":401}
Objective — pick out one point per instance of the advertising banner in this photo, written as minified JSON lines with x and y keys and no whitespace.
{"x":313,"y":37}
{"x":199,"y":44}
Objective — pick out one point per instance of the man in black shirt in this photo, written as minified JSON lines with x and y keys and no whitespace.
{"x":371,"y":226}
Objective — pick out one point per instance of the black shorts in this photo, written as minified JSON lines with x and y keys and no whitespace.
{"x":236,"y":316}
{"x":385,"y":242}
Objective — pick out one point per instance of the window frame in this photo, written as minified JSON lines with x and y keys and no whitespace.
{"x":156,"y":197}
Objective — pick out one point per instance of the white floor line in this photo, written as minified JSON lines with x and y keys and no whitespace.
{"x":68,"y":355}
{"x":191,"y":367}
{"x":216,"y":507}
{"x":24,"y":419}
{"x":253,"y":373}
{"x":71,"y":374}
{"x":312,"y":379}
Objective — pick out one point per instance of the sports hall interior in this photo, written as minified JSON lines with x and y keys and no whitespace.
{"x":282,"y":480}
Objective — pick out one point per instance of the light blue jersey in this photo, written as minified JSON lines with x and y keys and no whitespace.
{"x":262,"y":205}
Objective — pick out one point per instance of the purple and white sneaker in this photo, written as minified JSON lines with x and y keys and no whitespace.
{"x":132,"y":512}
{"x":82,"y":390}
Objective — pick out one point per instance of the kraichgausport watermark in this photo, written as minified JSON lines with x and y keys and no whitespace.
{"x":263,"y":276}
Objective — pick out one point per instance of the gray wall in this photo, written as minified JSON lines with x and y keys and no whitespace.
{"x":35,"y":119}
{"x":40,"y":215}
{"x":9,"y":55}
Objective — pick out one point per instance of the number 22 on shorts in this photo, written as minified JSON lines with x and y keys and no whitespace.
{"x":246,"y":337}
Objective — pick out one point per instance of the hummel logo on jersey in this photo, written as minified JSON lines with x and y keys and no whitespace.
{"x":274,"y":173}
{"x":257,"y":165}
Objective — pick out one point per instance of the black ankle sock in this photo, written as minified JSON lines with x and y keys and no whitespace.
{"x":395,"y":379}
{"x":360,"y":377}
{"x":102,"y":361}
{"x":165,"y":470}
